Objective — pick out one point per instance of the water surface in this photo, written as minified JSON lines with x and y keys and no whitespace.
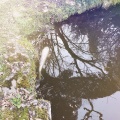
{"x":81,"y":77}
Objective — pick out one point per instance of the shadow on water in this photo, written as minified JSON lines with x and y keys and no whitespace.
{"x":99,"y":29}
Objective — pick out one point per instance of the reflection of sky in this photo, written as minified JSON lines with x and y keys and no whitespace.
{"x":108,"y":106}
{"x":85,"y":55}
{"x":79,"y":44}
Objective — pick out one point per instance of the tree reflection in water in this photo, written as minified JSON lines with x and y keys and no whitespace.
{"x":89,"y":112}
{"x":66,"y":95}
{"x":84,"y":61}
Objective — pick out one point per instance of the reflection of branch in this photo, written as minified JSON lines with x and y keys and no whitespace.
{"x":58,"y":49}
{"x":68,"y":48}
{"x":73,"y":55}
{"x":78,"y":68}
{"x":76,"y":44}
{"x":55,"y":55}
{"x":88,"y":114}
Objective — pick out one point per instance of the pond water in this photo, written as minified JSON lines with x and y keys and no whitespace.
{"x":108,"y":106}
{"x":81,"y":99}
{"x":81,"y":76}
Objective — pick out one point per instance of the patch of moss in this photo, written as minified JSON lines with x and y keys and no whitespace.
{"x":11,"y":49}
{"x":7,"y":83}
{"x":5,"y":70}
{"x":7,"y":114}
{"x":15,"y":114}
{"x":21,"y":57}
{"x":23,"y":82}
{"x":11,"y":59}
{"x":41,"y":113}
{"x":17,"y":57}
{"x":28,"y":46}
{"x":23,"y":113}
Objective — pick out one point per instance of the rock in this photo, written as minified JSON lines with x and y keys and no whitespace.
{"x":17,"y":64}
{"x":17,"y":83}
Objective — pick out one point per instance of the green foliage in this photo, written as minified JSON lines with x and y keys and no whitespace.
{"x":23,"y":81}
{"x":28,"y":47}
{"x":4,"y":68}
{"x":23,"y":17}
{"x":41,"y":113}
{"x":16,"y":101}
{"x":15,"y":114}
{"x":68,"y":10}
{"x":30,"y":79}
{"x":23,"y":113}
{"x":115,"y":1}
